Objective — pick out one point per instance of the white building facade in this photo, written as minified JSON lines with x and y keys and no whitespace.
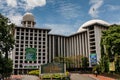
{"x":84,"y":42}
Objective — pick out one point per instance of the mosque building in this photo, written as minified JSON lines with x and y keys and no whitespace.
{"x":85,"y":42}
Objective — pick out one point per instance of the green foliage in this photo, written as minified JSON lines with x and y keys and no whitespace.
{"x":76,"y":61}
{"x":6,"y":35}
{"x":56,"y":76}
{"x":6,"y":66}
{"x":85,"y":62}
{"x":34,"y":72}
{"x":110,"y":48}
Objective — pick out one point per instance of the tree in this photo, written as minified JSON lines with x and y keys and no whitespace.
{"x":85,"y":62}
{"x":6,"y":66}
{"x":71,"y":61}
{"x":6,"y":35}
{"x":110,"y":45}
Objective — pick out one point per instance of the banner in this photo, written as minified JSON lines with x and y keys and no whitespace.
{"x":30,"y":54}
{"x":93,"y":59}
{"x":112,"y":66}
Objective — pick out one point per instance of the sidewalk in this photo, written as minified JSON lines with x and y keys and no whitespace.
{"x":99,"y":77}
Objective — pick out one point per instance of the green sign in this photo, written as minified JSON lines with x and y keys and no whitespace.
{"x":53,"y":68}
{"x":30,"y":54}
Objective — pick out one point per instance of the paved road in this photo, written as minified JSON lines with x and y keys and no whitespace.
{"x":28,"y":77}
{"x":76,"y":76}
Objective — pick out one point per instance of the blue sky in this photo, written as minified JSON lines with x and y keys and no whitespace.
{"x":62,"y":16}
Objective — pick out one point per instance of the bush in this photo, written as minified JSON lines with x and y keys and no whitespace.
{"x":34,"y":72}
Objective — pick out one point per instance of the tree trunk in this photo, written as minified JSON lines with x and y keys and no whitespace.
{"x":6,"y":54}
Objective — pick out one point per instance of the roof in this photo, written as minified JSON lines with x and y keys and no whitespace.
{"x":28,"y":17}
{"x":91,"y":22}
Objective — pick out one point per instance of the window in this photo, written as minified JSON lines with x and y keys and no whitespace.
{"x":43,"y":31}
{"x":21,"y":57}
{"x":17,"y":33}
{"x":26,"y":41}
{"x":35,"y":34}
{"x":43,"y":61}
{"x":21,"y":49}
{"x":16,"y":53}
{"x":17,"y":49}
{"x":30,"y":42}
{"x":26,"y":38}
{"x":39,"y":61}
{"x":16,"y":57}
{"x":17,"y":37}
{"x":16,"y":66}
{"x":31,"y":30}
{"x":21,"y":53}
{"x":35,"y":30}
{"x":35,"y":42}
{"x":31,"y":38}
{"x":26,"y":33}
{"x":43,"y":39}
{"x":21,"y":45}
{"x":22,"y":42}
{"x":20,"y":66}
{"x":43,"y":46}
{"x":17,"y":45}
{"x":39,"y":57}
{"x":21,"y":61}
{"x":22,"y":33}
{"x":22,"y":29}
{"x":16,"y":61}
{"x":17,"y":41}
{"x":39,"y":50}
{"x":39,"y":46}
{"x":31,"y":34}
{"x":43,"y":57}
{"x":26,"y":30}
{"x":43,"y":42}
{"x":39,"y":38}
{"x":25,"y":61}
{"x":22,"y":37}
{"x":43,"y":34}
{"x":18,"y":29}
{"x":43,"y":54}
{"x":35,"y":38}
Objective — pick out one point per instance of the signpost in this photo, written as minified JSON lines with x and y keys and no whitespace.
{"x":53,"y":68}
{"x":30,"y":54}
{"x":93,"y":59}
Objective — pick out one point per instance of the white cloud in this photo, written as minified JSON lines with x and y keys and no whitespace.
{"x":113,"y":7}
{"x":63,"y":29}
{"x":30,"y":4}
{"x":15,"y":18}
{"x":94,"y":9}
{"x":14,"y":9}
{"x":12,"y":3}
{"x":69,"y":10}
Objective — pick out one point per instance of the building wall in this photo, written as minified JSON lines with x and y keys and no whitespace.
{"x":50,"y":46}
{"x":68,"y":46}
{"x":29,"y":38}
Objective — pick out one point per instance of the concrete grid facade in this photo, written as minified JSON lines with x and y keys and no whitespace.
{"x":49,"y":46}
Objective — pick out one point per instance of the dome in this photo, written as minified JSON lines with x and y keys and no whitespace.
{"x":28,"y":17}
{"x":91,"y":22}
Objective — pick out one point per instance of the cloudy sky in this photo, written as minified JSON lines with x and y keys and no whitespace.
{"x":62,"y":16}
